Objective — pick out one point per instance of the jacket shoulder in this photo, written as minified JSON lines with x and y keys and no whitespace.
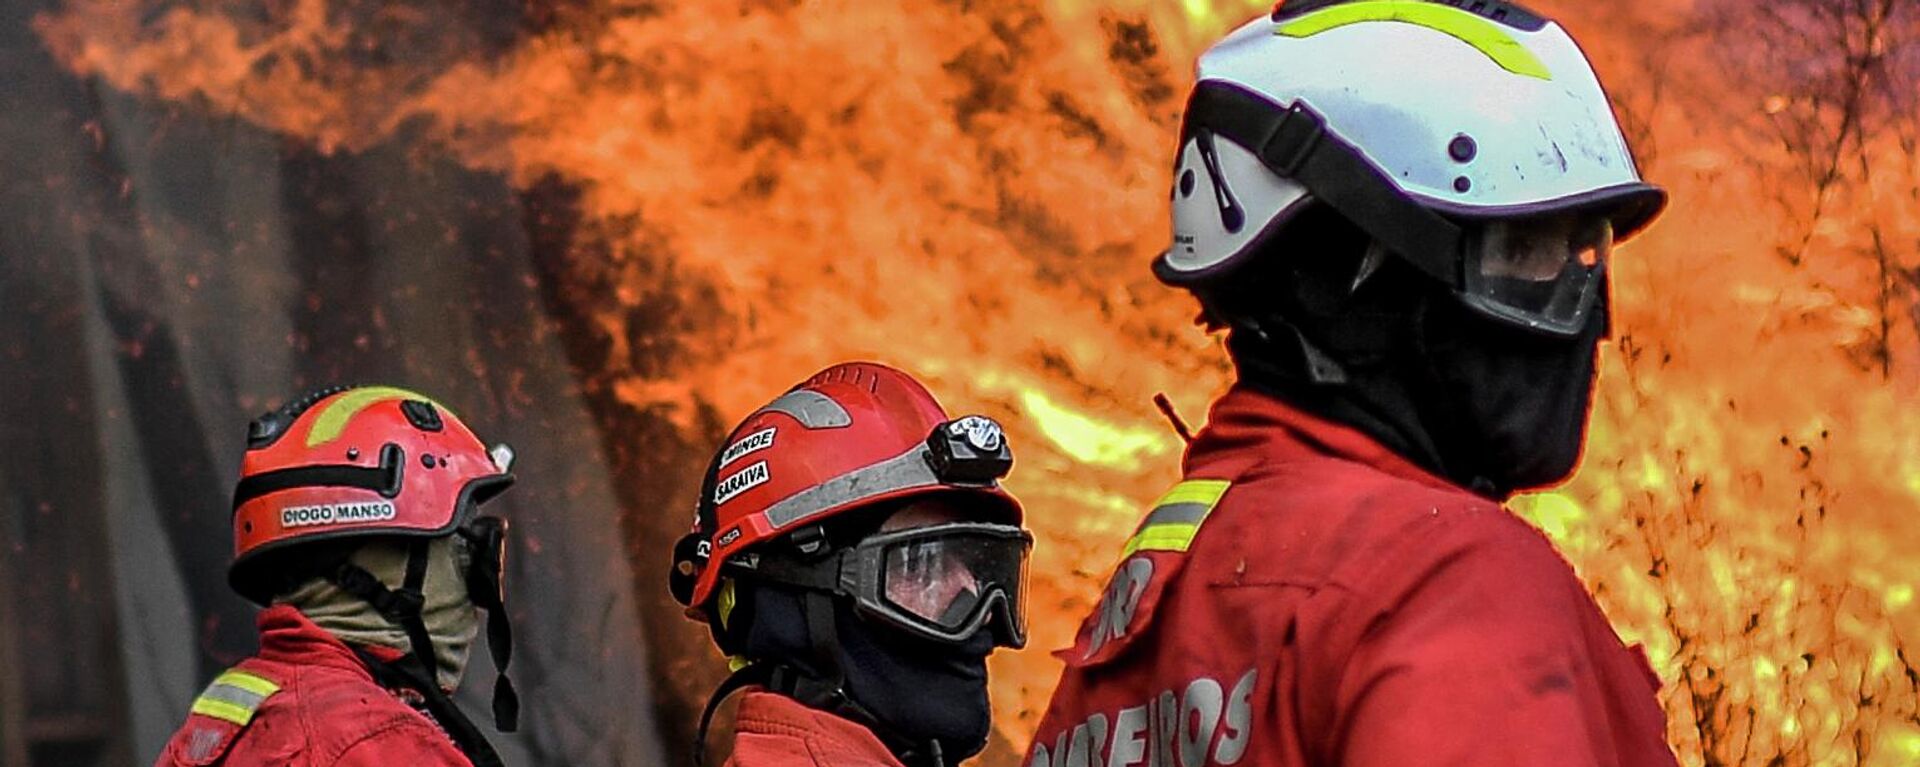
{"x":1324,"y":522}
{"x":345,"y":712}
{"x":236,"y":711}
{"x":413,"y":741}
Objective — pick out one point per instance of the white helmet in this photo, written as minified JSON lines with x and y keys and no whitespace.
{"x":1460,"y":135}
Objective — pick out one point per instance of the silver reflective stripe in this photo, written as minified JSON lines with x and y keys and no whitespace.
{"x":901,"y":472}
{"x":1190,"y":513}
{"x":226,"y":693}
{"x":811,"y":408}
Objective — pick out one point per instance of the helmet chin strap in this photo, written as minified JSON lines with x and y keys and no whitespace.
{"x":825,"y":690}
{"x":415,"y":671}
{"x":506,"y":701}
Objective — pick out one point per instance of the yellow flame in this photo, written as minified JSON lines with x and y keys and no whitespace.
{"x":1554,"y":513}
{"x":1092,"y":441}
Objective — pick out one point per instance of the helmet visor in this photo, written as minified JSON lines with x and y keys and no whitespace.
{"x":945,"y":582}
{"x":1543,"y":274}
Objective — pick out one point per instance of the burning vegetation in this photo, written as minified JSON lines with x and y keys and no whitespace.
{"x":725,"y":195}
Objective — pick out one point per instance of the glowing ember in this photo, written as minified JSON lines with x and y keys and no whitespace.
{"x":974,"y":196}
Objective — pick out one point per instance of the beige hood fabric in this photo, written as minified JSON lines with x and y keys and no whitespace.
{"x":452,"y":620}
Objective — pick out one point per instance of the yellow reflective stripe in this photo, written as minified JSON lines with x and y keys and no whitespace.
{"x":234,"y":696}
{"x":1177,"y":517}
{"x":334,"y":418}
{"x":252,"y":683}
{"x":223,"y":711}
{"x":1486,"y":36}
{"x":1169,"y":537}
{"x":1203,"y":491}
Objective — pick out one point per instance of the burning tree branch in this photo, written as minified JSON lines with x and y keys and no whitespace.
{"x":1835,"y":82}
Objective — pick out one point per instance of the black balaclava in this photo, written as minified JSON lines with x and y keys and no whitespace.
{"x":908,"y":690}
{"x":1386,"y":350}
{"x":1508,"y":408}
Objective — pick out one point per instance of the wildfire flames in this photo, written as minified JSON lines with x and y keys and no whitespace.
{"x":971,"y":190}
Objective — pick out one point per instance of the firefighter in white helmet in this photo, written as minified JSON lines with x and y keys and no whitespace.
{"x":1401,"y":212}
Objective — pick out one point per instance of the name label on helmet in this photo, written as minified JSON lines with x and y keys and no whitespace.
{"x":740,"y":482}
{"x":335,"y":514}
{"x":752,"y":443}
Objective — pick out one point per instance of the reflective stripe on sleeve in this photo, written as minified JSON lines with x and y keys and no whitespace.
{"x":1177,"y":516}
{"x":234,"y":696}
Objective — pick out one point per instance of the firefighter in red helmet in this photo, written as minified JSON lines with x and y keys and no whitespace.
{"x":356,"y":525}
{"x":854,"y":553}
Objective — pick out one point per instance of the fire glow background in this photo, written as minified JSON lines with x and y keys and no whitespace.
{"x":720,"y":196}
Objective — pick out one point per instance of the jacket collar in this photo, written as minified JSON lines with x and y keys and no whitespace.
{"x":1245,"y":422}
{"x":288,"y":636}
{"x":767,"y":713}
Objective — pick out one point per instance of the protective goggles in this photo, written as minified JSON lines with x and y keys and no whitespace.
{"x":1545,"y":274}
{"x":485,"y":540}
{"x":940,"y":582}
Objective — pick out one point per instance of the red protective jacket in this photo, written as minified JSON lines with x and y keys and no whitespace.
{"x":773,"y":730}
{"x":305,"y":701}
{"x":1305,"y":597}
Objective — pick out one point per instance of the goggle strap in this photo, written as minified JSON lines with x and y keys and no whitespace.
{"x":414,"y":589}
{"x":492,"y":536}
{"x":506,"y":701}
{"x":1294,"y":142}
{"x":822,"y":575}
{"x":826,"y":642}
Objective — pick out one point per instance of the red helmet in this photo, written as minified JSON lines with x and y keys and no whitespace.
{"x":344,"y":462}
{"x":853,"y":435}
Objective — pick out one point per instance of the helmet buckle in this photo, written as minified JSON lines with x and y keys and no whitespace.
{"x":810,"y":541}
{"x":1293,"y":140}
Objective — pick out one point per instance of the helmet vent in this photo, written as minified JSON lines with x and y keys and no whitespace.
{"x":811,"y":408}
{"x":266,"y":429}
{"x":1232,"y":217}
{"x":422,"y":415}
{"x":1462,"y":148}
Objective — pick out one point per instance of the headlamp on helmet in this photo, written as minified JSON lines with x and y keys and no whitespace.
{"x":969,"y":451}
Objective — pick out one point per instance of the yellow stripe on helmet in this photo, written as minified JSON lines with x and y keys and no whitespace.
{"x":333,"y":419}
{"x":1485,"y":36}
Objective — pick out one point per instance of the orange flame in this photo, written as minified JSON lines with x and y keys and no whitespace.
{"x":973,"y":193}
